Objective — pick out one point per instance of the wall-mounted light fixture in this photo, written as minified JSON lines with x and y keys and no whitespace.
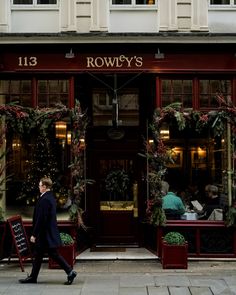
{"x":70,"y":54}
{"x":68,"y":137}
{"x":164,"y":131}
{"x":16,"y":144}
{"x":159,"y":55}
{"x":82,"y":143}
{"x":150,"y":141}
{"x":60,"y":128}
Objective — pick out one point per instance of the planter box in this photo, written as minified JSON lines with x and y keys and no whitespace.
{"x":174,"y":256}
{"x":67,"y":252}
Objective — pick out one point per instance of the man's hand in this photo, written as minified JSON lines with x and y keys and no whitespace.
{"x":32,"y":239}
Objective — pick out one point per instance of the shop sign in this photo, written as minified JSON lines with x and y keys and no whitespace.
{"x":120,"y":61}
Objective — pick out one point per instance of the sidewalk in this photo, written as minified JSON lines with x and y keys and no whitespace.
{"x":124,"y":277}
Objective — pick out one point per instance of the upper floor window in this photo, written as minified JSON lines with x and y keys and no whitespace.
{"x":134,"y":2}
{"x":34,"y":2}
{"x":222,"y":2}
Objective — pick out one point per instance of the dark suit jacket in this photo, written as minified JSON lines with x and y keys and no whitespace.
{"x":45,"y":227}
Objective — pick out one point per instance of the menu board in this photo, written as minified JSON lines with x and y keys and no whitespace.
{"x":20,"y":239}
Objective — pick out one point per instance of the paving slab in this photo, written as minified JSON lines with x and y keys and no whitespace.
{"x":133,"y":291}
{"x":179,"y":291}
{"x":200,"y":291}
{"x":158,"y":290}
{"x":172,"y":280}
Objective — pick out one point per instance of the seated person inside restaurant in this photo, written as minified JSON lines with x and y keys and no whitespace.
{"x":172,"y":204}
{"x":212,"y":201}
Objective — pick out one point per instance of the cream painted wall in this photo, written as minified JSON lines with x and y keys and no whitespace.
{"x":98,"y":15}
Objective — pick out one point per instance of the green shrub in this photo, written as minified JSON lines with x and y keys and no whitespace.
{"x":174,"y":238}
{"x":66,"y":239}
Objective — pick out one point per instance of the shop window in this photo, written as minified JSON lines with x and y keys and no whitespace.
{"x":128,"y":106}
{"x":208,"y":89}
{"x":19,"y":91}
{"x":133,"y":2}
{"x":51,"y":92}
{"x":34,"y":2}
{"x":176,"y":91}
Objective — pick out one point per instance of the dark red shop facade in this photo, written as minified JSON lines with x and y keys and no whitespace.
{"x":140,"y":77}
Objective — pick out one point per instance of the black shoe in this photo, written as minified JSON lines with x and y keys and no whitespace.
{"x":70,"y":277}
{"x":28,"y":280}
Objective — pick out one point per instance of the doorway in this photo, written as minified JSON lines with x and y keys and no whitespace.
{"x":114,"y":199}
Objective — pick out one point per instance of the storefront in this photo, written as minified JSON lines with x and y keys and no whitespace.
{"x":119,"y":86}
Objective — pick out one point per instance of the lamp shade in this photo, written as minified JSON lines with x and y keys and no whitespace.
{"x":60,"y":128}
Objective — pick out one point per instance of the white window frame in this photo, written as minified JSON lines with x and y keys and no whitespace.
{"x":231,"y":4}
{"x":133,"y":5}
{"x":34,"y":5}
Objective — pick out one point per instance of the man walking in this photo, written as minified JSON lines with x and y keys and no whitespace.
{"x":45,"y":234}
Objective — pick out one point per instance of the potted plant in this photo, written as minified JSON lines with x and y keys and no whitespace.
{"x":174,"y":252}
{"x":66,"y":250}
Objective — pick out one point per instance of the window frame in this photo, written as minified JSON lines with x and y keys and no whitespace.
{"x":34,"y":5}
{"x":133,"y":5}
{"x":232,"y":4}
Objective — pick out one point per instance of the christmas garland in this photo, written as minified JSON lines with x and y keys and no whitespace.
{"x":159,"y":155}
{"x":22,"y":120}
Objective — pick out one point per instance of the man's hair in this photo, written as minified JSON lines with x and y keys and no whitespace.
{"x":47,"y":182}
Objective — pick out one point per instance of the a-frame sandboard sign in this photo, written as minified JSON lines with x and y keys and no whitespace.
{"x":20,"y":239}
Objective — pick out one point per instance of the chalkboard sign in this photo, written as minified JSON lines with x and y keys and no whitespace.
{"x":19,"y":238}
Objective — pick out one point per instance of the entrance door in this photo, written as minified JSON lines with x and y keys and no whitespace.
{"x":113,"y":199}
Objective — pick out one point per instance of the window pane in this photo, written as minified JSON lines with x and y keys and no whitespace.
{"x":24,"y":2}
{"x":220,"y":2}
{"x":19,"y":91}
{"x":15,"y":86}
{"x":53,"y":87}
{"x":121,"y":2}
{"x":42,"y":86}
{"x":46,"y":1}
{"x":52,"y":92}
{"x":176,"y":91}
{"x":26,"y":86}
{"x":145,"y":2}
{"x":210,"y":88}
{"x":128,"y":107}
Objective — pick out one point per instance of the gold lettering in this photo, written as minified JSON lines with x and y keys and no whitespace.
{"x":97,"y":60}
{"x":139,"y":61}
{"x":90,"y":63}
{"x":25,"y":61}
{"x":33,"y":61}
{"x":109,"y":61}
{"x":116,"y":61}
{"x":129,"y":60}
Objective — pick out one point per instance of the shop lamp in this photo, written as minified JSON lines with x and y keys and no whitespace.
{"x":60,"y":128}
{"x":150,"y":141}
{"x":164,"y":132}
{"x":82,"y":142}
{"x":68,"y":137}
{"x":16,"y":144}
{"x":159,"y":55}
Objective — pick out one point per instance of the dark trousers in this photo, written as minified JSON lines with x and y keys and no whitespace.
{"x":53,"y":253}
